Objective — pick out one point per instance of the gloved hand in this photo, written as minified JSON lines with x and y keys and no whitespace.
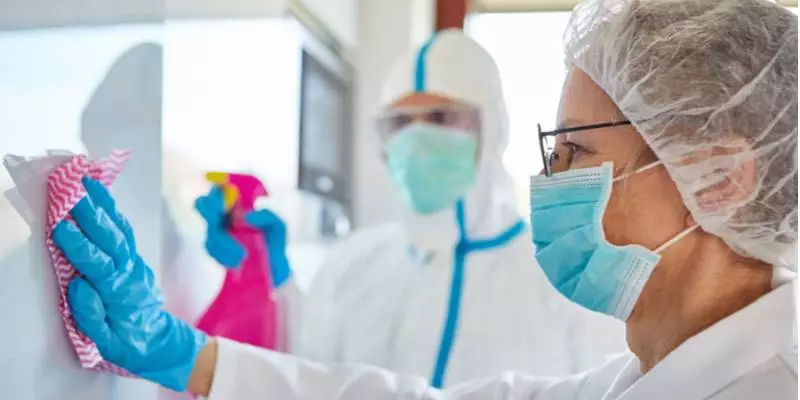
{"x":220,"y":244}
{"x":224,"y":248}
{"x":116,"y":302}
{"x":274,"y":231}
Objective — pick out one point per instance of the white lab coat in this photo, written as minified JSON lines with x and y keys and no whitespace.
{"x":383,"y":296}
{"x":751,"y":354}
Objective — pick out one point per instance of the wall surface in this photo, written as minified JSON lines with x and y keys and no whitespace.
{"x":82,"y":90}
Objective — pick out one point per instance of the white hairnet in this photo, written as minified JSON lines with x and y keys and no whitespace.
{"x":454,"y":66}
{"x":711,"y":85}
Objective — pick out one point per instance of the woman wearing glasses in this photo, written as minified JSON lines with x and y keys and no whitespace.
{"x":669,"y":201}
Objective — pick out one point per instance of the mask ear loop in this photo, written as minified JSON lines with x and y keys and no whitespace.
{"x":645,"y":168}
{"x":675,"y":239}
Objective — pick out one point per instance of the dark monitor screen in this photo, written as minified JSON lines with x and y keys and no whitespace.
{"x":325,"y":133}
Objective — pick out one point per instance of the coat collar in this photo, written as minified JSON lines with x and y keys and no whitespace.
{"x":719,"y":355}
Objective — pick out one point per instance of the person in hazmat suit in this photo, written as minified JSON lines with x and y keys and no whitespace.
{"x":451,"y":291}
{"x":669,"y":201}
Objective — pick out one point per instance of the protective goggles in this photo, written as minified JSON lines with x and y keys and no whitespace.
{"x":454,"y":116}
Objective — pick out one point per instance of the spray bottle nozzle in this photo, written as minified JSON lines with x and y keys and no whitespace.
{"x":241,"y":189}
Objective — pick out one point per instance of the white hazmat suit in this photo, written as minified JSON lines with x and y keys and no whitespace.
{"x":743,"y":357}
{"x":397,"y":297}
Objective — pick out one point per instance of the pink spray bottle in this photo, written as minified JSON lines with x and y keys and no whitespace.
{"x":245,"y":310}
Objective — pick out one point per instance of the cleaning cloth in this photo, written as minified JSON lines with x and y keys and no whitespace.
{"x":64,"y":191}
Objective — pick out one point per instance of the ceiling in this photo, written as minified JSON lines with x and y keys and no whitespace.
{"x":546,"y":5}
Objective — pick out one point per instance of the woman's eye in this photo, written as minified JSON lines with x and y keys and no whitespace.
{"x":574,"y":151}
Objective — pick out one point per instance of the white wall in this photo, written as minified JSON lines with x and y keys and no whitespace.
{"x":387,"y":29}
{"x":31,"y":14}
{"x":79,"y":90}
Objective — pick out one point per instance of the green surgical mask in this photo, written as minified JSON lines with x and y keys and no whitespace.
{"x":432,"y":165}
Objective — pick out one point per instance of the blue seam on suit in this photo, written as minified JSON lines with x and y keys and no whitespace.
{"x":420,"y":68}
{"x":463,"y":248}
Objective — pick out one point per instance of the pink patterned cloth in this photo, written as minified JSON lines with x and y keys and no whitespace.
{"x":64,"y":191}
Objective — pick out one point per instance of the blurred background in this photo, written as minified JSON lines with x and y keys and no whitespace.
{"x":283,"y":89}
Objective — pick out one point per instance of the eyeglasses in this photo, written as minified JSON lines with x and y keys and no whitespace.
{"x":547,"y":141}
{"x":461,"y":117}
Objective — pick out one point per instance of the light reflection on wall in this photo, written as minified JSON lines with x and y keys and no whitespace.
{"x":230,"y":103}
{"x":46,"y":79}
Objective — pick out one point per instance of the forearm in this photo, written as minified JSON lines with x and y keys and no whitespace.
{"x":229,"y":370}
{"x":204,"y":368}
{"x":225,"y":369}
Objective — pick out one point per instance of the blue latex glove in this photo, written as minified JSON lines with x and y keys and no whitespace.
{"x":224,"y":248}
{"x":274,"y":231}
{"x":116,"y":302}
{"x":219,"y":244}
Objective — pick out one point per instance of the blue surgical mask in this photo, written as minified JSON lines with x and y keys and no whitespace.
{"x":433,"y":166}
{"x":567,"y":223}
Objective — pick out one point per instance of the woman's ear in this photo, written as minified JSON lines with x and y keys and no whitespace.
{"x":732,"y":177}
